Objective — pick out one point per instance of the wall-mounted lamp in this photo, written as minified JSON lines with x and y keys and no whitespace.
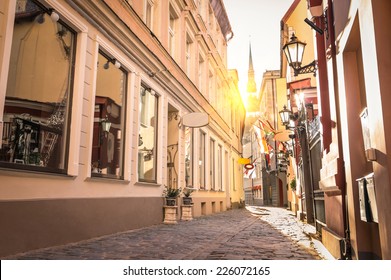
{"x":40,"y":18}
{"x":282,"y":159}
{"x":148,"y":153}
{"x":116,"y":63}
{"x":153,"y":74}
{"x":140,"y":140}
{"x":53,"y":15}
{"x":106,"y":125}
{"x":317,"y":11}
{"x":281,"y":155}
{"x":313,"y":26}
{"x":370,"y":152}
{"x":294,"y":51}
{"x":315,"y":7}
{"x":285,"y":115}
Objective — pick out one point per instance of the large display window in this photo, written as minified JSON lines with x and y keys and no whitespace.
{"x":109,"y":118}
{"x":147,"y":144}
{"x":39,"y":91}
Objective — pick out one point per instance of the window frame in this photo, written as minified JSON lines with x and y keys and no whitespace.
{"x":75,"y":28}
{"x":123,"y":116}
{"x":149,"y":6}
{"x":219,"y":167}
{"x":189,"y":150}
{"x":144,"y":86}
{"x":201,"y":158}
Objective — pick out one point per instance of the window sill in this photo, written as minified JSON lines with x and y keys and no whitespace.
{"x":147,"y":184}
{"x":32,"y":171}
{"x":112,"y":179}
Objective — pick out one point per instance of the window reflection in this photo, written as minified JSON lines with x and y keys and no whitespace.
{"x":108,"y":119}
{"x":38,"y":91}
{"x":147,"y":135}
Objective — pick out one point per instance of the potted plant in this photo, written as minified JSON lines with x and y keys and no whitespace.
{"x":187,"y":200}
{"x":171,"y":194}
{"x":293,"y":184}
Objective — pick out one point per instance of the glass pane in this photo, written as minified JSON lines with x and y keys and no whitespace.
{"x":108,"y":119}
{"x":292,"y":48}
{"x":300,"y":52}
{"x":147,"y":135}
{"x":38,"y":92}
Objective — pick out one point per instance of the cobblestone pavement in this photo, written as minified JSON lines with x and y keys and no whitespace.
{"x":286,"y":222}
{"x":235,"y":234}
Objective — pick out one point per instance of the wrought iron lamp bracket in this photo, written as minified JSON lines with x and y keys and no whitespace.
{"x":310,"y":68}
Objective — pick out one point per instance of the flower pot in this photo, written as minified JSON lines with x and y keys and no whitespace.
{"x":170,"y":201}
{"x":187,"y":200}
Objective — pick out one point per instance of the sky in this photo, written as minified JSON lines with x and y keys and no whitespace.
{"x":258,"y":22}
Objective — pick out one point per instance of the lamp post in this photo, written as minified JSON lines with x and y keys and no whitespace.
{"x":294,"y":51}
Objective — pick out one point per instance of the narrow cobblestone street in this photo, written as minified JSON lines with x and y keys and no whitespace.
{"x":235,"y":234}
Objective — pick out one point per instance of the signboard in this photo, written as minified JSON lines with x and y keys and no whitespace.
{"x":195,"y":119}
{"x":244,"y":161}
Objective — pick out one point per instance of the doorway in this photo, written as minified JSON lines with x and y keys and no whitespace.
{"x":172,"y":146}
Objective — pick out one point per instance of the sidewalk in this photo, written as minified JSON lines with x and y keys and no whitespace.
{"x":286,"y":222}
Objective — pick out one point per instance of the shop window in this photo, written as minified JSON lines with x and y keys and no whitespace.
{"x":147,"y":142}
{"x":109,"y":116}
{"x":39,"y":91}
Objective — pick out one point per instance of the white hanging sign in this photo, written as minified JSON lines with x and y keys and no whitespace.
{"x":195,"y":119}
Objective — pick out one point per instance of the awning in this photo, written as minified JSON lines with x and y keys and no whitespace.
{"x":299,"y":84}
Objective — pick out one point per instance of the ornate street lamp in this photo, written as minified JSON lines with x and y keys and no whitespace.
{"x":106,"y":124}
{"x":285,"y":115}
{"x":294,"y":51}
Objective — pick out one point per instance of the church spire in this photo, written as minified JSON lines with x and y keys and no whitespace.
{"x":251,"y":85}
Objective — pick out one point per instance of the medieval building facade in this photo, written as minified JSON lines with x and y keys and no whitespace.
{"x":93,"y":95}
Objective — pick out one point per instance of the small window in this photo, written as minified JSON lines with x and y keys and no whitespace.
{"x":172,"y":31}
{"x":189,"y":51}
{"x":149,"y":13}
